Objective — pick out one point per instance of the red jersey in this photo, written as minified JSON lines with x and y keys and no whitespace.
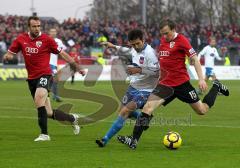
{"x":75,"y":56}
{"x":172,"y":60}
{"x":36,"y":53}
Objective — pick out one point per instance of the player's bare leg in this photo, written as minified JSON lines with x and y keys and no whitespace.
{"x":48,"y":107}
{"x":152,"y":103}
{"x":39,"y":99}
{"x":126,"y":110}
{"x":200,"y":108}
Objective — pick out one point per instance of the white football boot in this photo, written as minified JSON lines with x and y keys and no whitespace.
{"x":76,"y":127}
{"x":42,"y":137}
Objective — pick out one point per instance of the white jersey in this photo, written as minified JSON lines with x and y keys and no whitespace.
{"x":148,"y":61}
{"x":209,"y":53}
{"x":54,"y":57}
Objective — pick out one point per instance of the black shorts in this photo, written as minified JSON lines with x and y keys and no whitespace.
{"x":184,"y":92}
{"x":44,"y":81}
{"x":73,"y":68}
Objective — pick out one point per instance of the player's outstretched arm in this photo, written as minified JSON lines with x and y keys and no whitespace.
{"x":72,"y":62}
{"x":108,"y":44}
{"x":218,"y":57}
{"x":8,"y":56}
{"x":202,"y":84}
{"x":121,"y":49}
{"x":124,"y":53}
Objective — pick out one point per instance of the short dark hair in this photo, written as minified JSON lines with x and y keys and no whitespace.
{"x":167,"y":22}
{"x":135,"y":34}
{"x":32,"y":18}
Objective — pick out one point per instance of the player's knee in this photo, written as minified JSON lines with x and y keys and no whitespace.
{"x":148,"y":108}
{"x":39,"y":98}
{"x":201,"y":111}
{"x":124,"y":113}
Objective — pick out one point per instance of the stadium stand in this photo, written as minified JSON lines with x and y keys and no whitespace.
{"x":85,"y":34}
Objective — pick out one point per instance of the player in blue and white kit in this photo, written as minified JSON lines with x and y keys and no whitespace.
{"x":144,"y":74}
{"x":53,"y":64}
{"x":210,"y":53}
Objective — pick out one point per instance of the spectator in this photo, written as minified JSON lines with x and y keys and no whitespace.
{"x":87,"y":33}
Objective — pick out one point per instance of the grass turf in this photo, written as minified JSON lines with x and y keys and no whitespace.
{"x":209,"y":141}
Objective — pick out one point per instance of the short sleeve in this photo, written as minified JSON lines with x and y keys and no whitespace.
{"x":15,"y":46}
{"x":62,"y":45}
{"x":153,"y":60}
{"x":203,"y":52}
{"x":54,"y":48}
{"x":187,"y":47}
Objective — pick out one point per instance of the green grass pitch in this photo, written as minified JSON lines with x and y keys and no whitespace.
{"x":210,"y":141}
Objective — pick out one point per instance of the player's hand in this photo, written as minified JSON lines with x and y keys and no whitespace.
{"x":107,"y":44}
{"x":8,"y":57}
{"x":79,"y":69}
{"x":134,"y":70}
{"x":202,"y":85}
{"x":75,"y":67}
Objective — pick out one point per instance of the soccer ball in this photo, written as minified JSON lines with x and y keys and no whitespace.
{"x":172,"y":140}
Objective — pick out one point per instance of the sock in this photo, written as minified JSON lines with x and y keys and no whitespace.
{"x":61,"y":116}
{"x":210,"y":98}
{"x":72,"y":79}
{"x":142,"y":123}
{"x":115,"y":128}
{"x":134,"y":114}
{"x":42,"y":119}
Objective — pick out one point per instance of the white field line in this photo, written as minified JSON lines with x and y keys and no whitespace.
{"x":15,"y":108}
{"x":129,"y":122}
{"x":132,"y":123}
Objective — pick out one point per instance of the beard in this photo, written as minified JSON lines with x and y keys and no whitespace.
{"x":138,"y":49}
{"x":34,"y":35}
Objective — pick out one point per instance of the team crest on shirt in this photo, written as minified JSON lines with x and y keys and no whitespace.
{"x":212,"y":54}
{"x":172,"y":43}
{"x":38,"y":44}
{"x":141,"y":60}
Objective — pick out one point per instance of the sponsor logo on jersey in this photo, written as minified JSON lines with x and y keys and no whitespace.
{"x":38,"y":44}
{"x":31,"y":50}
{"x":163,"y":53}
{"x":141,"y":60}
{"x":172,"y":44}
{"x":212,"y":54}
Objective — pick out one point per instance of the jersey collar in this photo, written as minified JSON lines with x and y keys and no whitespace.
{"x":40,"y":33}
{"x":145,"y":45}
{"x":175,"y":36}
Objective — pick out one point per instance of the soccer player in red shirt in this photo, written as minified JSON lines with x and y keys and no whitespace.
{"x":74,"y":54}
{"x":174,"y":81}
{"x":36,"y":48}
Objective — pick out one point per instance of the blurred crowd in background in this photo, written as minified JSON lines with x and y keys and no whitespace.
{"x":84,"y":36}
